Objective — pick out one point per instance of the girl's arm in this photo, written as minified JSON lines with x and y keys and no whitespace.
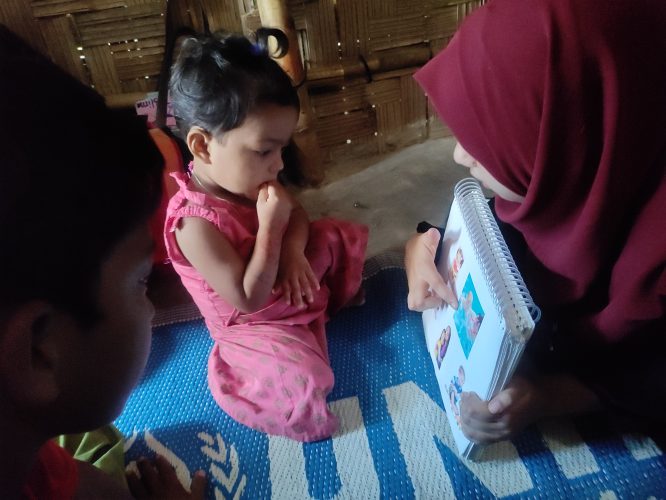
{"x":246,"y":287}
{"x":296,"y":280}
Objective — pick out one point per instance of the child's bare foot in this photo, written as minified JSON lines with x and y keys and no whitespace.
{"x":358,"y":299}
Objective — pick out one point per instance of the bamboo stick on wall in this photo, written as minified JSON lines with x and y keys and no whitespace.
{"x":377,"y":62}
{"x":274,"y":14}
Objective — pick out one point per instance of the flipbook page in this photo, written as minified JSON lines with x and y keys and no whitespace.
{"x":464,"y":343}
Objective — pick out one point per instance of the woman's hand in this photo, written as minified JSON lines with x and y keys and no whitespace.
{"x":296,"y":280}
{"x":427,"y":288}
{"x":159,"y":480}
{"x":510,"y":411}
{"x":521,"y":403}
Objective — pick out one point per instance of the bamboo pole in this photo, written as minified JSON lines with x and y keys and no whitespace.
{"x":378,"y":62}
{"x":274,"y":14}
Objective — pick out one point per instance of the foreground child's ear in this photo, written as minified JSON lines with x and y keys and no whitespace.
{"x":197,"y":142}
{"x":29,"y":354}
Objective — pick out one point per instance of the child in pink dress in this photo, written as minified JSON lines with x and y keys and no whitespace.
{"x":265,"y":279}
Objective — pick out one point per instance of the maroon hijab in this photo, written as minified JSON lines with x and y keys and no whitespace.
{"x":564,"y":102}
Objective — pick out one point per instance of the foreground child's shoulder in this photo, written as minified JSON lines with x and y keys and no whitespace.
{"x":54,"y":473}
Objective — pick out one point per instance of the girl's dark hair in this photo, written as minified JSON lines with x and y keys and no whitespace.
{"x":75,"y":179}
{"x":217,"y":80}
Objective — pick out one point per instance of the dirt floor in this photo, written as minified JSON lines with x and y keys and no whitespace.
{"x":392,"y":195}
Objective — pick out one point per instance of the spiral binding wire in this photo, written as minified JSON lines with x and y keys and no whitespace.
{"x":508,"y":290}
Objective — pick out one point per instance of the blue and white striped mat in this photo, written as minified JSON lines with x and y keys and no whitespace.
{"x":394,"y":440}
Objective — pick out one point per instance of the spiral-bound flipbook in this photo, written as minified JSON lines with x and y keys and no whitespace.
{"x":476,"y":347}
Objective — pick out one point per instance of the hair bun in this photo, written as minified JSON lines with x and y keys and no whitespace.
{"x":263,"y":34}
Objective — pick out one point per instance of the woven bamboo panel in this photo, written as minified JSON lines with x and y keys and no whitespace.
{"x":353,"y":27}
{"x":116,"y":46}
{"x":320,"y":26}
{"x":385,"y":110}
{"x":359,"y":55}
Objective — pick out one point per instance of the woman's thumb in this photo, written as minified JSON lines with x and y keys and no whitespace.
{"x":432,"y":237}
{"x":499,"y":403}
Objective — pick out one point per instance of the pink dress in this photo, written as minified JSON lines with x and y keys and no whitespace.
{"x":270,"y":369}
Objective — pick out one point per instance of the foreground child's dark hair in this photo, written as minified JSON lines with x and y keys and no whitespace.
{"x":218,"y":79}
{"x":75,"y":178}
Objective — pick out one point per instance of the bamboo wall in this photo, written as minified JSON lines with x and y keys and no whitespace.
{"x":358,"y":55}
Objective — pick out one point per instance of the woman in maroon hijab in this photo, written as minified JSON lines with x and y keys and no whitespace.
{"x":559,"y":106}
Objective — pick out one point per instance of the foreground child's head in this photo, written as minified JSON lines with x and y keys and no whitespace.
{"x":78,"y":182}
{"x":236,"y":109}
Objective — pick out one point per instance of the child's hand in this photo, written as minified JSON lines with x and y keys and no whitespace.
{"x":158,"y":480}
{"x":510,"y":411}
{"x":296,"y":280}
{"x":273,"y":207}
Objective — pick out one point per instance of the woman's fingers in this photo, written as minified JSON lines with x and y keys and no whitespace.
{"x":421,"y":300}
{"x":428,"y":289}
{"x":505,"y":414}
{"x":426,"y":285}
{"x":478,"y":423}
{"x":440,"y":288}
{"x":500,"y":402}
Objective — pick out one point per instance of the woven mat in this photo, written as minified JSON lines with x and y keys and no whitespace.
{"x":394,"y":440}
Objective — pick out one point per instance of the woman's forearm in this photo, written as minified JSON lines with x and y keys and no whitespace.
{"x":564,"y":395}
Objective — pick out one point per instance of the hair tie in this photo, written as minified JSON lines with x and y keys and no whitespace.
{"x":256,"y":49}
